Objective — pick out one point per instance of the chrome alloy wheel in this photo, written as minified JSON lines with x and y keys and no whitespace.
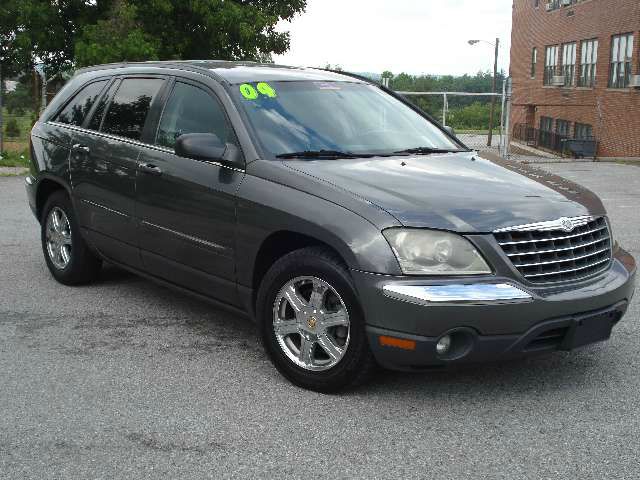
{"x":311,"y":323}
{"x":58,"y":238}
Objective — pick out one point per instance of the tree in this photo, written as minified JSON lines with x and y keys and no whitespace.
{"x":95,"y":44}
{"x":19,"y":101}
{"x":51,"y":31}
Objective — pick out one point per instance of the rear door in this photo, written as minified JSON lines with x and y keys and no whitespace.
{"x":187,"y":207}
{"x":104,"y":165}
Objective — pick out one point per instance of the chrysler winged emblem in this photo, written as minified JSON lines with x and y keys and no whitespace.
{"x":566,"y":224}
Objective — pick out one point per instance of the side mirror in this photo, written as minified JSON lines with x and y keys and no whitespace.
{"x":450,"y":130}
{"x":208,"y":147}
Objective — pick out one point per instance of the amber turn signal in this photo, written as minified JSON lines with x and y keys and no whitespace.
{"x":397,"y":342}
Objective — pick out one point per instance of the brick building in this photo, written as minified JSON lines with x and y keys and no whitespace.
{"x":574,"y":64}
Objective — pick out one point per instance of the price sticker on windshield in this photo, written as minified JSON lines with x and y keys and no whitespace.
{"x":265,"y":89}
{"x":249,"y":92}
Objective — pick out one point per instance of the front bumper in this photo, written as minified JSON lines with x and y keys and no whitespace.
{"x":514,"y":319}
{"x":30,"y":186}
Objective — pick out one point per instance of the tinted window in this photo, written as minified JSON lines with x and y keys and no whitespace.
{"x":191,"y":110}
{"x":98,"y":113}
{"x":129,"y":108}
{"x":76,"y":110}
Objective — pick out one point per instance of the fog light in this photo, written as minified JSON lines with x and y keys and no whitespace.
{"x":443,"y":345}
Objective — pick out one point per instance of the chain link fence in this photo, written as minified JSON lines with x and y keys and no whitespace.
{"x":469,"y":114}
{"x":14,"y":143}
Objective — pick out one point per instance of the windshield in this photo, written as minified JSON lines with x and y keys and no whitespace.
{"x":354,"y":118}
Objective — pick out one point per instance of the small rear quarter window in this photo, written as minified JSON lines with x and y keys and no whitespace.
{"x":77,"y":109}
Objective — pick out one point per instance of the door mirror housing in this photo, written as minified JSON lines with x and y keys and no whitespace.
{"x":209,"y":148}
{"x":450,"y":130}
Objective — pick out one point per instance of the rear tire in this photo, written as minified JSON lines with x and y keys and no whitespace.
{"x":311,"y":322}
{"x":65,"y":251}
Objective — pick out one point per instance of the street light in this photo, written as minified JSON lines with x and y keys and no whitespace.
{"x":495,"y":76}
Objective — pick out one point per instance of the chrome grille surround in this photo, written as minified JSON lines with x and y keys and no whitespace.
{"x":559,"y":250}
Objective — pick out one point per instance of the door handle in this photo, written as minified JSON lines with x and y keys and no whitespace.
{"x":150,"y":169}
{"x":80,"y":148}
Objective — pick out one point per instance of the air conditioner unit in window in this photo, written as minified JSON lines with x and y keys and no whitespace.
{"x":566,"y":3}
{"x":549,"y":7}
{"x":557,"y":80}
{"x":634,"y":82}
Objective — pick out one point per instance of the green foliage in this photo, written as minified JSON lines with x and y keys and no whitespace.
{"x":68,"y":33}
{"x":472,"y":117}
{"x":96,"y":44}
{"x":480,"y":82}
{"x":12,"y":130}
{"x":14,"y":159}
{"x":464,"y":112}
{"x":19,"y":101}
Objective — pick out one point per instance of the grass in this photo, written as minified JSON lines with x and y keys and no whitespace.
{"x":635,"y":163}
{"x":10,"y":174}
{"x":15,"y":159}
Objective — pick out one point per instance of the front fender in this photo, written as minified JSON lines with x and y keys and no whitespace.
{"x":265,"y":207}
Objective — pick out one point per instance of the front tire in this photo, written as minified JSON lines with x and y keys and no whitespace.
{"x":311,"y":322}
{"x":67,"y":255}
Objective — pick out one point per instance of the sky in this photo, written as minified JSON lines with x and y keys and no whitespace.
{"x":412,"y":36}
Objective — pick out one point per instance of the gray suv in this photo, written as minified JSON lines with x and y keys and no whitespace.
{"x":350,"y":225}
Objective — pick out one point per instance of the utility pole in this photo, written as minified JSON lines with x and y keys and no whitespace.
{"x":493,"y":98}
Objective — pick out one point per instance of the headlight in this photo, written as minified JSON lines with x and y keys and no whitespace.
{"x":431,"y":252}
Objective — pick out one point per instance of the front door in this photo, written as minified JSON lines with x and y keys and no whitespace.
{"x":187,"y":208}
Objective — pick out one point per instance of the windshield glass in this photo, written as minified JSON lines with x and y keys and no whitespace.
{"x":354,"y":118}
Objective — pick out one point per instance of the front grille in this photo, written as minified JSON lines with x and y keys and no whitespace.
{"x":545,"y":255}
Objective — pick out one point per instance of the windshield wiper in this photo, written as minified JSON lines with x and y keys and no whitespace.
{"x":320,"y":154}
{"x":428,"y":150}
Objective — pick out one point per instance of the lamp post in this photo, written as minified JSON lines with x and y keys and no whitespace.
{"x":495,"y":78}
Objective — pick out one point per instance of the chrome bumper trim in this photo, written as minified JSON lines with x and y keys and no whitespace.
{"x":477,"y":293}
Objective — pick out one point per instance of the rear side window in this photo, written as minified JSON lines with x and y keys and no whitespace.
{"x":77,"y":109}
{"x":98,"y":113}
{"x":130,"y":106}
{"x":191,"y":110}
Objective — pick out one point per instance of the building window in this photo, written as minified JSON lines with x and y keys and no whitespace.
{"x":546,"y":124}
{"x":621,"y":53}
{"x":584,"y":131}
{"x":550,"y":63}
{"x":588,"y":63}
{"x":569,"y":64}
{"x":563,"y":127}
{"x":536,"y":3}
{"x":534,"y":61}
{"x":555,"y":4}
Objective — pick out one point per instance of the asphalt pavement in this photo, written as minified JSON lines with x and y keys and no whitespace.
{"x":127,"y":379}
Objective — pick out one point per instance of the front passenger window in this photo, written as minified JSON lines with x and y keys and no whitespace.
{"x":191,"y":110}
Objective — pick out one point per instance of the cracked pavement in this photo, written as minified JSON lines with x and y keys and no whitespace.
{"x":127,"y":379}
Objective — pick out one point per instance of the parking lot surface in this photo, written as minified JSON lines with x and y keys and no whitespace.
{"x":127,"y":379}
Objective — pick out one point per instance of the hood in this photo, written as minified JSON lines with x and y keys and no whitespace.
{"x":462,"y":192}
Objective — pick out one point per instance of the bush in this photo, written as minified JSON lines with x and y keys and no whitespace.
{"x":12,"y":129}
{"x":473,"y":117}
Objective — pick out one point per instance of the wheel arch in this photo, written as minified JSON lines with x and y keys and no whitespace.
{"x":46,"y":187}
{"x":280,"y":243}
